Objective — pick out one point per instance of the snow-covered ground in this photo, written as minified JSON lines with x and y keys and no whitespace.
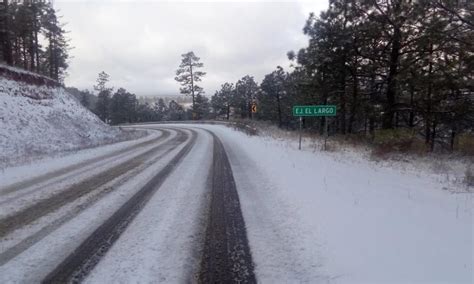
{"x":45,"y":165}
{"x":47,"y":251}
{"x":163,"y":243}
{"x":311,"y":216}
{"x":314,"y":216}
{"x":37,"y":121}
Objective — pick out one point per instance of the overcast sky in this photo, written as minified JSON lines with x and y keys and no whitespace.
{"x":139,"y":43}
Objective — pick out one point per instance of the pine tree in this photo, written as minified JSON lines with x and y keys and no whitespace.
{"x":123,"y":107}
{"x":85,"y":100}
{"x":389,"y":65}
{"x":272,"y":96}
{"x":188,"y":74}
{"x":202,"y":107}
{"x":245,"y":93}
{"x":58,"y":46}
{"x":175,"y":111}
{"x":103,"y":97}
{"x":23,"y":25}
{"x":222,"y":99}
{"x":160,"y":109}
{"x":5,"y":32}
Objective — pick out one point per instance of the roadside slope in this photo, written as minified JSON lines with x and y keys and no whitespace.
{"x":324,"y":217}
{"x":39,"y":118}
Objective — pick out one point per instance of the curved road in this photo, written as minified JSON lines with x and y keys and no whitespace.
{"x":59,"y":226}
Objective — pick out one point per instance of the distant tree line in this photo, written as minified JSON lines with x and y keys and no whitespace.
{"x":121,"y":106}
{"x":386,"y":65}
{"x":32,"y":37}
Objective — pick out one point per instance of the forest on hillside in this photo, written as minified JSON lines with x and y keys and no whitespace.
{"x":33,"y":38}
{"x":398,"y":70}
{"x":395,"y":70}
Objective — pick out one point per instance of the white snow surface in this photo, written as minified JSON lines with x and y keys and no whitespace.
{"x":322,"y":217}
{"x":34,"y":264}
{"x":162,"y":245}
{"x":311,"y":217}
{"x":42,"y":120}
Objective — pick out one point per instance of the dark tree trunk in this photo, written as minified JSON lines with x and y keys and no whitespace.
{"x":249,"y":109}
{"x":56,"y":68}
{"x":5,"y":34}
{"x":36,"y":43}
{"x":428,"y":114}
{"x":453,"y":136}
{"x":411,"y":120}
{"x":365,"y":121}
{"x":342,"y":96}
{"x":192,"y":91}
{"x":427,"y":130}
{"x":433,"y":136}
{"x":371,"y":104}
{"x":280,"y":122}
{"x":51,"y":56}
{"x":32,"y":53}
{"x":392,"y":80}
{"x":342,"y":79}
{"x":25,"y":55}
{"x":354,"y":102}
{"x":325,"y":101}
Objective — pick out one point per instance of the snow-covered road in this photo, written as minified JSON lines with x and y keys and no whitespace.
{"x":204,"y":203}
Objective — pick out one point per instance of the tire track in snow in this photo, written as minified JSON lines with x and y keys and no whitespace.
{"x":80,"y":262}
{"x":52,"y":203}
{"x":25,"y":184}
{"x":75,"y":170}
{"x":226,"y":257}
{"x":26,"y":243}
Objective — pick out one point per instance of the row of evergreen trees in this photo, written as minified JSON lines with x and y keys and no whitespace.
{"x":385,"y":64}
{"x":121,"y":106}
{"x":31,"y":37}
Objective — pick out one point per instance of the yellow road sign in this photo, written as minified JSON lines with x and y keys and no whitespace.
{"x":254,"y":108}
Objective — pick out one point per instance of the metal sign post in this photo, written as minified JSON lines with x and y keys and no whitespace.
{"x":327,"y":131}
{"x":317,"y":110}
{"x":301,"y":131}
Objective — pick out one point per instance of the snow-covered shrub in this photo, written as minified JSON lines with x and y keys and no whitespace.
{"x":469,"y":176}
{"x":440,"y":166}
{"x":400,"y":140}
{"x":465,"y":144}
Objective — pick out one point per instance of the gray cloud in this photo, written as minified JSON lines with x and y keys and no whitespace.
{"x":139,"y":43}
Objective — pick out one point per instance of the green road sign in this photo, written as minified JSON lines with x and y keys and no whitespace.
{"x":320,"y":110}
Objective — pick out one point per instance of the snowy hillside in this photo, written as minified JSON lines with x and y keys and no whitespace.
{"x":38,"y":120}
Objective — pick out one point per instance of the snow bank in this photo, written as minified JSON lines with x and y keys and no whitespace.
{"x":338,"y":218}
{"x":40,"y":120}
{"x":18,"y":74}
{"x":446,"y":167}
